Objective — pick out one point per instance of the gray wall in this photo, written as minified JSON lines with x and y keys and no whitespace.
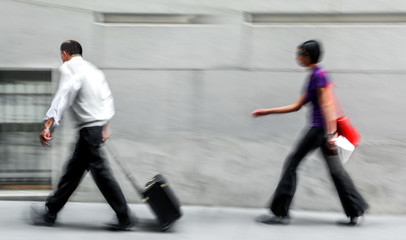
{"x":184,"y":93}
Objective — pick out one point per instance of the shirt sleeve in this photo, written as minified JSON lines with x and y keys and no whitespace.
{"x":108,"y":103}
{"x":320,"y":80}
{"x":69,"y":86}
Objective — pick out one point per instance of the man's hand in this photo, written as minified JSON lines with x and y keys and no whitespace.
{"x":45,"y":136}
{"x":105,"y":132}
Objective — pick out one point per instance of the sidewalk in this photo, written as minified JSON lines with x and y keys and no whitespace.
{"x":86,"y":220}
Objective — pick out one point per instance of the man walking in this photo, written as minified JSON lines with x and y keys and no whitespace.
{"x":84,"y":88}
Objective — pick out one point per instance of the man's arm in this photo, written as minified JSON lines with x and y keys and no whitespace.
{"x":68,"y":88}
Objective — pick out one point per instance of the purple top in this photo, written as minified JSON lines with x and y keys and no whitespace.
{"x":317,"y":79}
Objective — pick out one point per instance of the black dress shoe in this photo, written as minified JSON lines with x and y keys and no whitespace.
{"x":40,"y":216}
{"x":271,"y":219}
{"x":122,"y":225}
{"x":353,"y":221}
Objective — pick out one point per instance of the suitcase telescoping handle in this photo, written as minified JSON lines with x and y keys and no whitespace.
{"x":123,"y":168}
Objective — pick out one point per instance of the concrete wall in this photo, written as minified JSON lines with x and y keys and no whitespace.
{"x":184,"y":93}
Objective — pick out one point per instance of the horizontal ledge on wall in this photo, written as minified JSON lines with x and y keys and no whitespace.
{"x":258,"y":17}
{"x":164,"y":18}
{"x":257,"y":69}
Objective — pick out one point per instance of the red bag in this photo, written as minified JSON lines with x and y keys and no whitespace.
{"x":344,"y":126}
{"x":346,"y":129}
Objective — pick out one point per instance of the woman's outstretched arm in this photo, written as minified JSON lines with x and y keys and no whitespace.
{"x":285,"y":109}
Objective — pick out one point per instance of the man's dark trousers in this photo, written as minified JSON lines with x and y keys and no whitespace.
{"x":88,"y":157}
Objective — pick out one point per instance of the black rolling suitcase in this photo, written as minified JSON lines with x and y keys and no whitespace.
{"x":157,"y":194}
{"x":162,"y":200}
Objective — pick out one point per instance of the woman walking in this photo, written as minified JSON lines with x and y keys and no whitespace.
{"x":323,"y":129}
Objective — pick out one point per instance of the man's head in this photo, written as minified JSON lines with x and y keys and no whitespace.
{"x":69,"y":49}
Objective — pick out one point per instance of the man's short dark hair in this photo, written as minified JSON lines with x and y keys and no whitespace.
{"x":313,"y":49}
{"x":71,"y":47}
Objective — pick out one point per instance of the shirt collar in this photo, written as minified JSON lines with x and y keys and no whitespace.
{"x":75,"y":58}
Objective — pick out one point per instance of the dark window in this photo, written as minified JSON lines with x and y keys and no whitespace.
{"x":24,"y":99}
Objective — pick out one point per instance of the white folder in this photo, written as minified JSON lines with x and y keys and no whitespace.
{"x":344,"y":148}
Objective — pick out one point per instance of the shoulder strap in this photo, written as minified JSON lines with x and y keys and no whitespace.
{"x":331,"y":94}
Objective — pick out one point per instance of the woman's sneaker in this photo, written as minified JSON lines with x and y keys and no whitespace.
{"x":272,"y":219}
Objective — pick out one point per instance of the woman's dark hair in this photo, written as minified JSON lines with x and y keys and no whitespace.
{"x":311,"y":48}
{"x":71,"y":47}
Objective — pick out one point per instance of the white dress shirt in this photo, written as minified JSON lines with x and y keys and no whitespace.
{"x":84,"y":88}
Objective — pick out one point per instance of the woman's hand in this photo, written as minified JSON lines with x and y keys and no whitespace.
{"x":259,"y":113}
{"x":330,"y":141}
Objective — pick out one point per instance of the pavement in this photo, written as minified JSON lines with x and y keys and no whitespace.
{"x":86,"y":221}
